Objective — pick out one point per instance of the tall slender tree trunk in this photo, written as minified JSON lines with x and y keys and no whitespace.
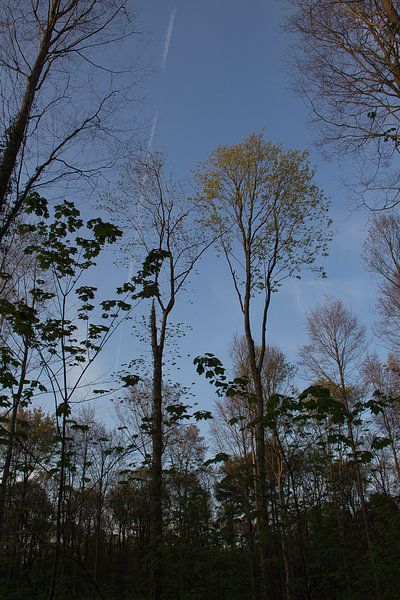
{"x":260,"y":485}
{"x":17,"y":131}
{"x":360,"y":487}
{"x":283,"y":529}
{"x":156,"y":532}
{"x":11,"y":440}
{"x":60,"y":500}
{"x":307,"y":593}
{"x":98,"y":532}
{"x":249,"y":522}
{"x":261,"y":516}
{"x":338,"y":508}
{"x":364,"y":513}
{"x":61,"y":487}
{"x":78,"y":540}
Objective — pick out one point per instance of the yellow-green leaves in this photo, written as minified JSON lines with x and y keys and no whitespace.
{"x":271,"y":217}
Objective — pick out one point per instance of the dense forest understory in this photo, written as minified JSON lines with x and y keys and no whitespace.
{"x":314,"y":526}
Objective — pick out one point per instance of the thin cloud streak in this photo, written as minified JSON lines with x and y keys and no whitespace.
{"x":132,"y":263}
{"x":168,"y":38}
{"x":152,"y":131}
{"x":150,"y":142}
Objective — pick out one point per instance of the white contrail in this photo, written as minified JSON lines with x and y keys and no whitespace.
{"x":152,"y":132}
{"x":168,"y":38}
{"x":132,"y":265}
{"x":150,"y":141}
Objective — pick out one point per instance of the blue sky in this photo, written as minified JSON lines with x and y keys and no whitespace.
{"x":220,"y":72}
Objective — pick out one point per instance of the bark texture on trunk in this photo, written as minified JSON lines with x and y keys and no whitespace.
{"x":17,"y":131}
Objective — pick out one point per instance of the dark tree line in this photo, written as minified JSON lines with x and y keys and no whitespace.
{"x":321,"y":485}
